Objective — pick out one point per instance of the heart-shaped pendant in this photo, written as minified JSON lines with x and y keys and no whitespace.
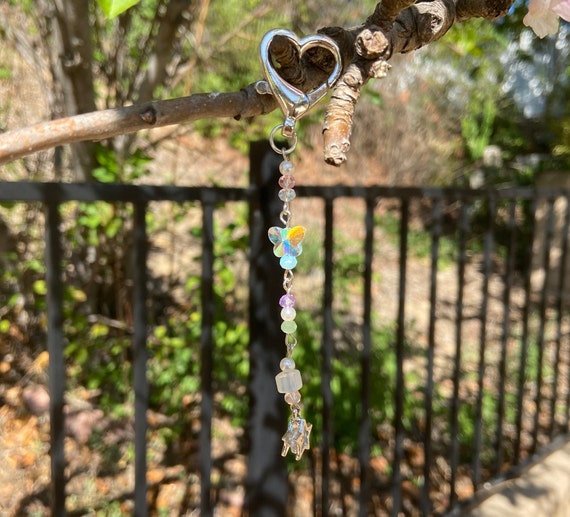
{"x":293,"y":102}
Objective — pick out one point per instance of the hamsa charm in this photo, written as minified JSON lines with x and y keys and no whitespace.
{"x":297,"y":437}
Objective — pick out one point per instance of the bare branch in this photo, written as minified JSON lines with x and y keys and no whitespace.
{"x":100,"y":125}
{"x":396,"y":26}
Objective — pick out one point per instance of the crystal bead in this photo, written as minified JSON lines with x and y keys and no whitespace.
{"x":287,"y":194}
{"x":286,"y":168}
{"x":288,"y":314}
{"x":287,"y":300}
{"x":289,"y":381}
{"x":287,"y":262}
{"x":288,"y":327}
{"x":293,"y":398}
{"x":287,"y":363}
{"x":286,"y":182}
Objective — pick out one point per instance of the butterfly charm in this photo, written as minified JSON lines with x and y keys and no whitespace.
{"x":287,"y":244}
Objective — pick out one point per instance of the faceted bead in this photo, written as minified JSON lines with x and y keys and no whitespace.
{"x":287,"y":262}
{"x":288,"y":327}
{"x":293,"y":398}
{"x":289,"y":381}
{"x":287,"y":363}
{"x":287,"y":194}
{"x":286,"y":168}
{"x":286,"y":182}
{"x":288,"y":314}
{"x":287,"y":300}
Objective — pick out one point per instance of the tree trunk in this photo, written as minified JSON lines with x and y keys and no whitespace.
{"x":72,"y":58}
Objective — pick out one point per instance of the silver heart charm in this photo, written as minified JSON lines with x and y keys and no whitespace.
{"x":293,"y":102}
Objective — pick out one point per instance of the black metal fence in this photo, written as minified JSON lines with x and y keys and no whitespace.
{"x":440,"y":333}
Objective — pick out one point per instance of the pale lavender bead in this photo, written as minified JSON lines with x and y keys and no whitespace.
{"x":287,"y":300}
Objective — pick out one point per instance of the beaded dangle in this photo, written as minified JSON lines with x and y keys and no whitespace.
{"x":287,"y":239}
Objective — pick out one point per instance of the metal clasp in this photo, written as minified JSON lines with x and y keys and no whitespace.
{"x":293,"y":102}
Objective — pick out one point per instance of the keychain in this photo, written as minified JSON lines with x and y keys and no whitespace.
{"x":287,"y":240}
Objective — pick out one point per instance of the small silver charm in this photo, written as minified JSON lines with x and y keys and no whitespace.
{"x":297,"y":437}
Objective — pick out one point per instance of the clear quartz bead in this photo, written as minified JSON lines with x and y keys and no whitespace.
{"x":287,"y":194}
{"x":286,"y":168}
{"x":288,"y":381}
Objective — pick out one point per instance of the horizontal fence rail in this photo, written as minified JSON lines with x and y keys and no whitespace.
{"x":435,"y":348}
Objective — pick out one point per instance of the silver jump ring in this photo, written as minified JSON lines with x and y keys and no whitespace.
{"x":281,"y":150}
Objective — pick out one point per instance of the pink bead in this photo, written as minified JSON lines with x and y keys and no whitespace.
{"x":286,"y":182}
{"x":293,"y":398}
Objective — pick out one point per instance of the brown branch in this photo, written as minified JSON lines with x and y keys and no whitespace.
{"x":396,"y":26}
{"x":100,"y":125}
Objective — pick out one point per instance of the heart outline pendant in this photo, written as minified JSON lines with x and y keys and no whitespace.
{"x":293,"y":102}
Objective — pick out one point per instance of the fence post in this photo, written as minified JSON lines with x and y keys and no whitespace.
{"x":267,"y":474}
{"x":55,"y":345}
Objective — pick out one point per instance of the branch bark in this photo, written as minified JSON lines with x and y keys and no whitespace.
{"x":395,"y":26}
{"x":100,"y":125}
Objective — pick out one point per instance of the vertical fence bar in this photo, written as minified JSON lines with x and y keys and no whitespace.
{"x":140,"y":354}
{"x":206,"y":355}
{"x":559,"y":318}
{"x":562,"y":290}
{"x":365,"y":362}
{"x":525,"y":336}
{"x":327,"y":352}
{"x":506,"y":331}
{"x":428,"y":450}
{"x":55,"y":344}
{"x":266,"y":483}
{"x":463,"y":229}
{"x":540,"y":340}
{"x":487,"y":263}
{"x":399,"y":391}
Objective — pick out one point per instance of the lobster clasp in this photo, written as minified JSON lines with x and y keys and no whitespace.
{"x":293,"y":102}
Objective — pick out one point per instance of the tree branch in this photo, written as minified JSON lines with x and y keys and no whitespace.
{"x":395,"y":26}
{"x":100,"y":125}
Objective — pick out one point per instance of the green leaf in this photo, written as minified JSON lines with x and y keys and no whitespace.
{"x":39,"y":287}
{"x":113,"y":8}
{"x":99,"y":330}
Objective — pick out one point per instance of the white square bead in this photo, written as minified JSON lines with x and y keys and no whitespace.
{"x":288,"y":381}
